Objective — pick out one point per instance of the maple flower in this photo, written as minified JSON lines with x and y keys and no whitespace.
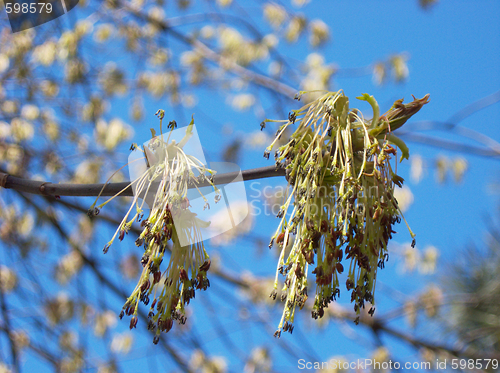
{"x":170,"y":224}
{"x":339,"y":209}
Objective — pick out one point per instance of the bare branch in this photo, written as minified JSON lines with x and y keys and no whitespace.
{"x":82,"y":190}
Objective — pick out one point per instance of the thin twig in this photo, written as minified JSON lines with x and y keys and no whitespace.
{"x":451,"y":145}
{"x":475,"y":107}
{"x":8,"y":330}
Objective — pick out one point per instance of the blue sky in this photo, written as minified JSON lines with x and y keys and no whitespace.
{"x":455,"y":57}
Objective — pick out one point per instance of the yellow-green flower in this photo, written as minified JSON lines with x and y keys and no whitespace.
{"x":170,"y":173}
{"x":339,"y":210}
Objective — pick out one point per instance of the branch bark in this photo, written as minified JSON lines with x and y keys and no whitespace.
{"x":111,"y":189}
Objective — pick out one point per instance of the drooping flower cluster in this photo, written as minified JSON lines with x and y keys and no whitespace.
{"x":169,"y":174}
{"x":341,"y":196}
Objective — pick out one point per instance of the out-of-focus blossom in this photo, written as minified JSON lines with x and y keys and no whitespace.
{"x":103,"y":322}
{"x":8,"y":279}
{"x":206,"y":364}
{"x":416,"y":168}
{"x":431,"y":300}
{"x":30,"y":112}
{"x":111,"y":134}
{"x":404,"y":196}
{"x":22,"y":129}
{"x":429,"y":260}
{"x":459,"y":166}
{"x":87,"y":172}
{"x":295,"y":28}
{"x":224,"y":3}
{"x":4,"y":62}
{"x":274,"y":14}
{"x":441,"y":168}
{"x":400,"y":67}
{"x":218,"y":223}
{"x":243,"y":101}
{"x":49,"y":88}
{"x":59,"y":309}
{"x":319,"y":32}
{"x":103,"y":32}
{"x":45,"y":54}
{"x":259,"y":361}
{"x":379,"y":73}
{"x":122,"y":343}
{"x":69,"y":265}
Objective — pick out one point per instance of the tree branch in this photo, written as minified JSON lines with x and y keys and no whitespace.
{"x":111,"y":189}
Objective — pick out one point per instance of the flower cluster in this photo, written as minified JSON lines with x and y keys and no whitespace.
{"x":341,"y":196}
{"x":170,"y":173}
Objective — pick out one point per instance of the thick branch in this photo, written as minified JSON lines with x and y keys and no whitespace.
{"x":81,"y":190}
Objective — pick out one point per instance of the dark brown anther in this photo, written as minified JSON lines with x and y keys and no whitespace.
{"x":329,"y":257}
{"x":183,"y":275}
{"x":339,"y":267}
{"x":316,"y":236}
{"x":205,"y":266}
{"x":273,"y":294}
{"x":298,"y":272}
{"x":324,"y":226}
{"x":145,"y":286}
{"x":168,"y":324}
{"x":349,"y":284}
{"x":318,"y":271}
{"x":156,"y":277}
{"x":133,"y":322}
{"x":122,"y":235}
{"x":157,"y":238}
{"x":339,"y":255}
{"x":280,"y":239}
{"x":348,"y":252}
{"x":305,"y":245}
{"x":309,"y":256}
{"x":359,"y":292}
